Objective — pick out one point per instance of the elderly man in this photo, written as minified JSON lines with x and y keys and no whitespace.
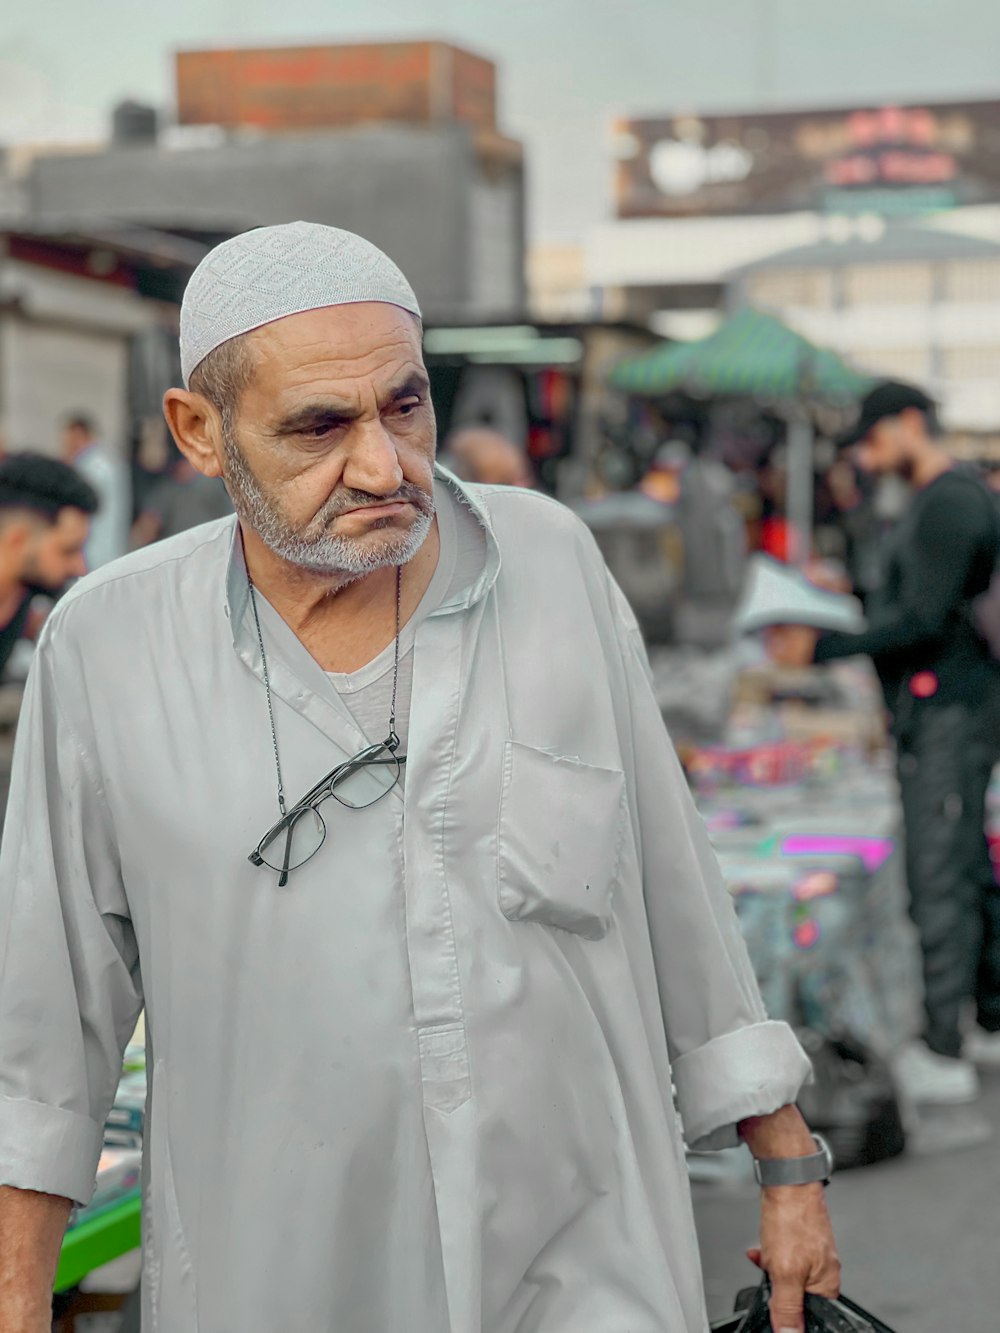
{"x":396,"y":851}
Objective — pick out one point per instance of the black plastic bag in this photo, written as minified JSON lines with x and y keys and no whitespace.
{"x":822,"y":1316}
{"x":852,"y":1102}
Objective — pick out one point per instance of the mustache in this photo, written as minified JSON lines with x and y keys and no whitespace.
{"x":344,"y":500}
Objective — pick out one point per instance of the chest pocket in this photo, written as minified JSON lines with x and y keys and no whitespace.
{"x":560,"y":834}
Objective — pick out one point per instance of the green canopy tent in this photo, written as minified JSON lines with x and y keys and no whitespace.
{"x":751,"y":354}
{"x":754,"y":355}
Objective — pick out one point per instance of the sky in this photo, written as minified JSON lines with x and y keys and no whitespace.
{"x":566,"y":66}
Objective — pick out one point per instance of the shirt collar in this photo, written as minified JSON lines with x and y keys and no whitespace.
{"x":238,"y":592}
{"x":469,"y":497}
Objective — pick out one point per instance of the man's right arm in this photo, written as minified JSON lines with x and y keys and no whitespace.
{"x":31,"y":1233}
{"x":71,"y":990}
{"x":948,"y":538}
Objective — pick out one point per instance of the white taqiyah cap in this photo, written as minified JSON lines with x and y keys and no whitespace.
{"x":272,"y":272}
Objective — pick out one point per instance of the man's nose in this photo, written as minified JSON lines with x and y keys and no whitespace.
{"x":372,"y":462}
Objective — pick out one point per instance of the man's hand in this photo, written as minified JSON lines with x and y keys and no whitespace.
{"x":791,"y":645}
{"x":797,"y":1251}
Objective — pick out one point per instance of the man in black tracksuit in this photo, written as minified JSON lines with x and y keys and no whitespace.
{"x":942,"y":688}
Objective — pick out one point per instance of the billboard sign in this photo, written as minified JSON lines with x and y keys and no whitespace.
{"x":890,"y":160}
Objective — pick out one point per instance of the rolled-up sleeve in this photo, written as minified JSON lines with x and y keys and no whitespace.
{"x":729,"y":1060}
{"x":70,"y":991}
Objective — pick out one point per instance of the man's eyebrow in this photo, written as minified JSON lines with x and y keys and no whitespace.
{"x":337,"y":411}
{"x":412,"y":387}
{"x":315,"y":414}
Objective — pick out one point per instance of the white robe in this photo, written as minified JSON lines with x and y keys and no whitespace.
{"x":427,"y":1086}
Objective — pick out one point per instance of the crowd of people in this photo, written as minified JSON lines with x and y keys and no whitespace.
{"x":941,"y":684}
{"x":923,"y":568}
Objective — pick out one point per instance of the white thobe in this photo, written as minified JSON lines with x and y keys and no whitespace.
{"x":427,"y":1086}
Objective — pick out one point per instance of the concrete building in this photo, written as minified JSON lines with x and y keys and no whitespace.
{"x":446,"y":204}
{"x":557,"y":283}
{"x":88,"y":323}
{"x":396,"y":141}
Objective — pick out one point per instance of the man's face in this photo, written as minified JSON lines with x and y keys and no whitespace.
{"x":493,"y":460}
{"x":54,"y":551}
{"x":330,"y":458}
{"x":74,"y":440}
{"x":887,"y":448}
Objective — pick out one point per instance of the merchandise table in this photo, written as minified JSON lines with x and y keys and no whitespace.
{"x":97,"y":1240}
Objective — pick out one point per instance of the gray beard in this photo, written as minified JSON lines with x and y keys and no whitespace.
{"x":313,"y":547}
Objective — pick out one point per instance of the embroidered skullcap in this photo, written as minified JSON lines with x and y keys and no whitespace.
{"x":272,"y":272}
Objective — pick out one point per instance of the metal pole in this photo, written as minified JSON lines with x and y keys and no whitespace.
{"x":800,"y":485}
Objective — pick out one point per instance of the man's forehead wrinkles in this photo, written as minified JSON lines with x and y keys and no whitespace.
{"x":323,"y":350}
{"x":338,"y":381}
{"x":288,"y":338}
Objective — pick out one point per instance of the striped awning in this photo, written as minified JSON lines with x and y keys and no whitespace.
{"x":752,"y":355}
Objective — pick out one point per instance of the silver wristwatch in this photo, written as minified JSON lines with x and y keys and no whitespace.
{"x":811,"y":1170}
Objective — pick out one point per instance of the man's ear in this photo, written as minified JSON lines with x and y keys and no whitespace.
{"x":914,"y":419}
{"x":16,"y":535}
{"x":197,"y":429}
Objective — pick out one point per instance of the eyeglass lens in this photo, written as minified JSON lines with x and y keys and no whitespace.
{"x":292,"y":842}
{"x":367,"y":783}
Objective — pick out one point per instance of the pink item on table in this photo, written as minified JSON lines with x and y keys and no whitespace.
{"x":873,"y":852}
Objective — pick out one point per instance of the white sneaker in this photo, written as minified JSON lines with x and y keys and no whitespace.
{"x":982,"y":1047}
{"x":926,"y":1078}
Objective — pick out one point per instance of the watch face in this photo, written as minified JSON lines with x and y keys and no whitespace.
{"x":827,"y":1151}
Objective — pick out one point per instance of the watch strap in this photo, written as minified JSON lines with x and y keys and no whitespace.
{"x":817,"y":1168}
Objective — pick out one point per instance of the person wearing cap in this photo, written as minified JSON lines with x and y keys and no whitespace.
{"x":365,"y":793}
{"x":942,"y":689}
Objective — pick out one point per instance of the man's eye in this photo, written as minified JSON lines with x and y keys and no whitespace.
{"x":408,"y":408}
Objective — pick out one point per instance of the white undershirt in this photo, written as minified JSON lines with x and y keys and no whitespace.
{"x":367,"y":692}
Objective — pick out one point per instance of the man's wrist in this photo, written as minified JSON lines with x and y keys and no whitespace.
{"x":782,"y":1133}
{"x":786,"y":1194}
{"x":798,"y":1170}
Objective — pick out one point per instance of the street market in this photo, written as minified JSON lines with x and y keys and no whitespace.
{"x":600,"y":487}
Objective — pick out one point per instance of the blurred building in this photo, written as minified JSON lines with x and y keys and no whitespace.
{"x":557,"y":282}
{"x":912,"y":303}
{"x":88,"y":322}
{"x":873,"y":230}
{"x":397,"y":141}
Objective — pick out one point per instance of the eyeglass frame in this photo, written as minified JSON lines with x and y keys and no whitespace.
{"x":322,"y":791}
